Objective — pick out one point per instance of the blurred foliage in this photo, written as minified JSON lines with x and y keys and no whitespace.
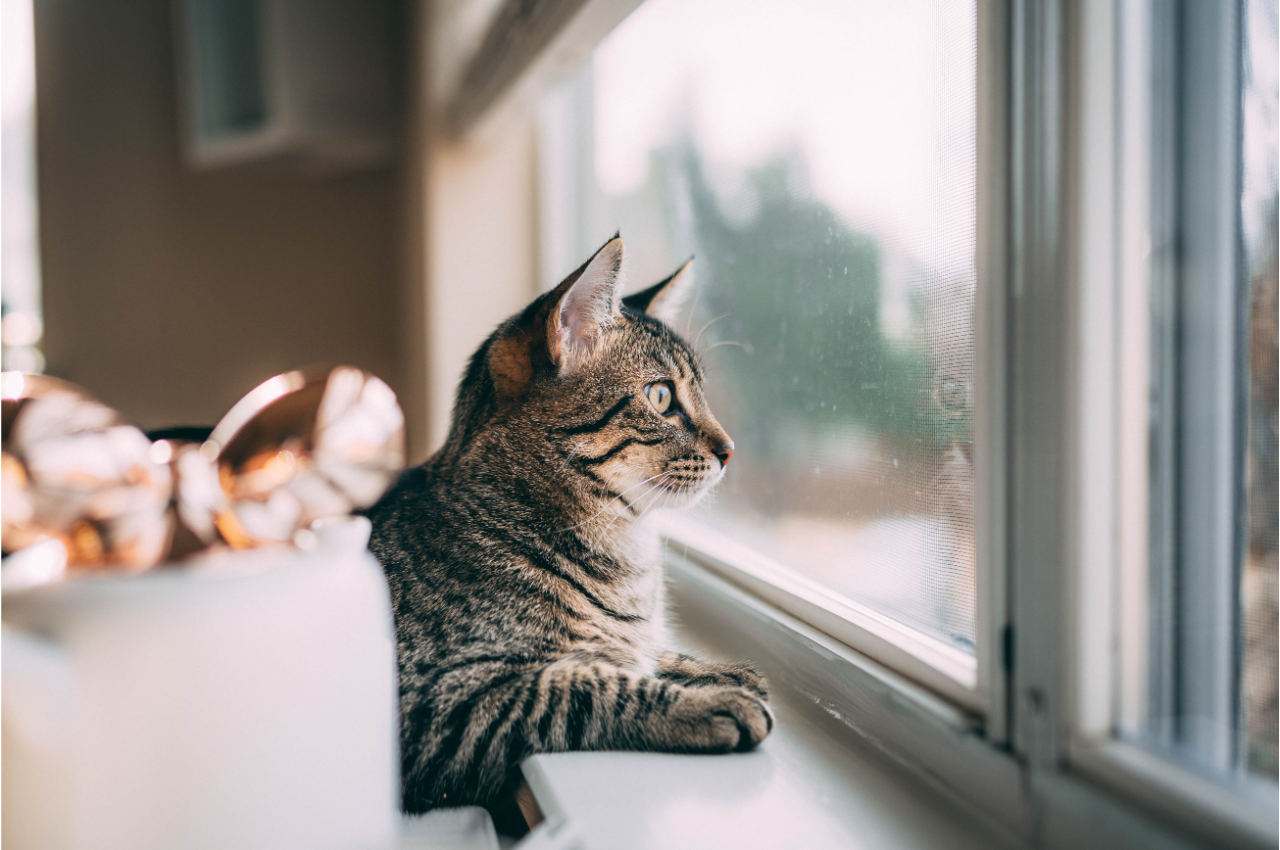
{"x":793,"y":295}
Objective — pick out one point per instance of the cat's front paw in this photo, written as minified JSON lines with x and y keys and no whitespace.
{"x":749,"y":677}
{"x":690,"y":671}
{"x":735,"y":720}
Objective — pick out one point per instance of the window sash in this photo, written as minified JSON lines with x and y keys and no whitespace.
{"x":972,"y":681}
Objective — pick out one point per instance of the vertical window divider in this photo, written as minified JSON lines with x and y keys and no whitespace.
{"x":991,"y":363}
{"x":1091,"y":256}
{"x":1040,"y":316}
{"x":1209,"y":395}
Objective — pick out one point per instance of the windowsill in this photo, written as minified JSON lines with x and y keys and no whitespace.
{"x":801,"y":788}
{"x":811,"y":784}
{"x":804,"y":787}
{"x":860,"y":756}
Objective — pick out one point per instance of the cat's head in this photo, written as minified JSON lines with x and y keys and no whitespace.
{"x":602,"y":390}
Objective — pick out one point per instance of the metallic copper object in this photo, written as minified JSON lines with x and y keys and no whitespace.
{"x":73,"y":471}
{"x":302,"y":446}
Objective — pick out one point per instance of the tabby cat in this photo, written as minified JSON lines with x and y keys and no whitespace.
{"x":528,"y":592}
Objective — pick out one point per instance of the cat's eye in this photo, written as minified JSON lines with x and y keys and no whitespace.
{"x":660,"y":396}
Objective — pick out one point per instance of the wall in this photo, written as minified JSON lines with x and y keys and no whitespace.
{"x":170,"y":293}
{"x":480,"y":249}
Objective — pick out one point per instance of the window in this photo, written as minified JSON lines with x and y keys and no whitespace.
{"x":827,"y":188}
{"x":1206,"y":697}
{"x":988,"y":295}
{"x":1176,"y":265}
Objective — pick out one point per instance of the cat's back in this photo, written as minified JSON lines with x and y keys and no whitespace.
{"x":430,"y":527}
{"x":407,"y":519}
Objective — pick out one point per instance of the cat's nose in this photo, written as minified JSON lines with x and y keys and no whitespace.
{"x":724,"y":451}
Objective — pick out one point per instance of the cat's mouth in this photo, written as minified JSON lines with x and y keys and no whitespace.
{"x":690,"y":482}
{"x":671,"y":483}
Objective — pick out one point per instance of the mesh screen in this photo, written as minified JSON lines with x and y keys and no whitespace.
{"x":818,"y":159}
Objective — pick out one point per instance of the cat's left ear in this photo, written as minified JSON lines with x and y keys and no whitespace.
{"x":583,"y":307}
{"x":665,"y":299}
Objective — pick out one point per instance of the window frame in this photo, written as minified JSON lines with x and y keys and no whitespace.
{"x":1126,"y":187}
{"x":1032,"y":744}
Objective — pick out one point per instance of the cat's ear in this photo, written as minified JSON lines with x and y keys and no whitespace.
{"x":665,"y":299}
{"x":583,"y":306}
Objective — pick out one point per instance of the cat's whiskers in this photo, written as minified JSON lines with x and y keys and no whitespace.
{"x":718,"y":344}
{"x":707,"y":325}
{"x":609,"y":503}
{"x":664,"y":498}
{"x":576,"y":448}
{"x":657,"y":486}
{"x":688,"y":325}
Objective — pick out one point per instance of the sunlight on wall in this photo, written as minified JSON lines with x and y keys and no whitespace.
{"x":20,"y":257}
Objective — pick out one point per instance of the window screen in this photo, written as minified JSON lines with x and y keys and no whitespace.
{"x":818,"y":160}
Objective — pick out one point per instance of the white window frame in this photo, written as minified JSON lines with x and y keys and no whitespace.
{"x":1025,"y":734}
{"x":1116,"y":255}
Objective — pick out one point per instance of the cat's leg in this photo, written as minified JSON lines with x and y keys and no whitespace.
{"x":468,"y":750}
{"x":688,"y":670}
{"x":593,"y":705}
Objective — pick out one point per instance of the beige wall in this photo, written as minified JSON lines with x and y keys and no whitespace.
{"x":481,"y":251}
{"x":170,"y":293}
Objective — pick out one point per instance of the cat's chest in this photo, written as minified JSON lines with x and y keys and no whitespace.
{"x":650,"y":635}
{"x":642,"y":584}
{"x":644,"y":594}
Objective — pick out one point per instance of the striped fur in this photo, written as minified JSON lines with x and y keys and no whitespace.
{"x":527,"y":589}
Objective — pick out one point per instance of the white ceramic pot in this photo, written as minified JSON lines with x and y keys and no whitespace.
{"x":248,"y":702}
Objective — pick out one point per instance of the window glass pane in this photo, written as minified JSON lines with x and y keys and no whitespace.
{"x":818,"y":159}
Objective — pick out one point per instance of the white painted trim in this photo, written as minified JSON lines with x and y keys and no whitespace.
{"x":991,"y":367}
{"x":1133,"y":466}
{"x":1110,"y":795}
{"x":933,"y":663}
{"x":1243,"y":816}
{"x":1091,"y":256}
{"x":566,"y":52}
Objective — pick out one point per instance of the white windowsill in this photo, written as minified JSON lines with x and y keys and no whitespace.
{"x":804,"y":787}
{"x":861,"y":757}
{"x":800,"y":789}
{"x":811,"y":784}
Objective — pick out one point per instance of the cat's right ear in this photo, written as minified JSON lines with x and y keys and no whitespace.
{"x":583,"y":306}
{"x":562,"y":326}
